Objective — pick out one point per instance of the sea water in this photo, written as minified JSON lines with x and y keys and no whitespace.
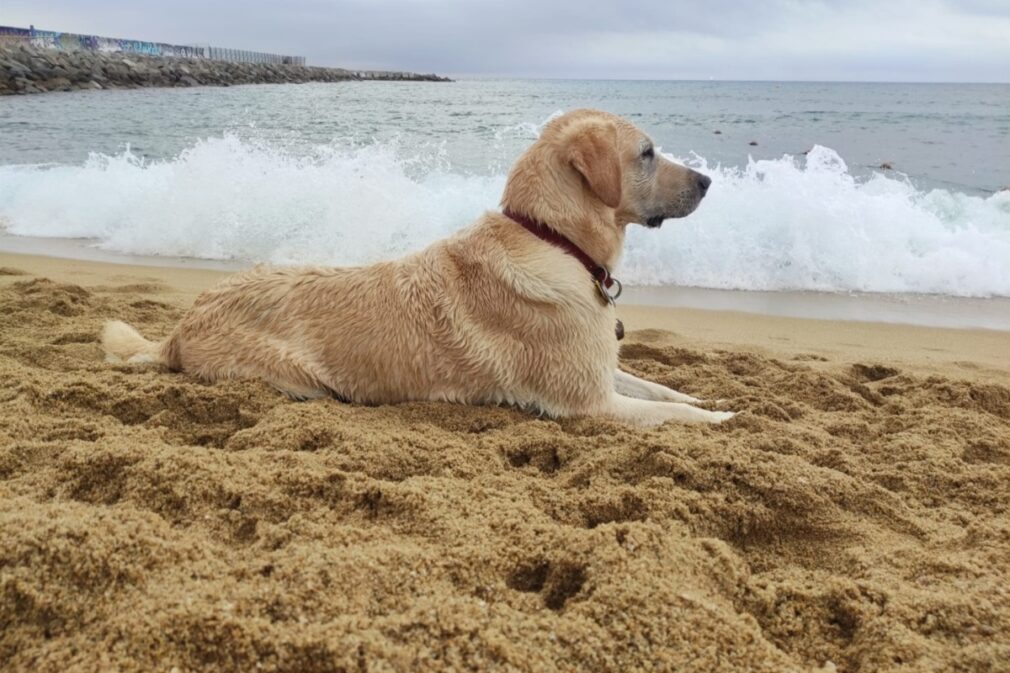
{"x":356,"y":172}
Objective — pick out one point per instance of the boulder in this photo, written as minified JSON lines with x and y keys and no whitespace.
{"x":17,"y":69}
{"x":57,"y":84}
{"x":41,"y":69}
{"x":28,"y":69}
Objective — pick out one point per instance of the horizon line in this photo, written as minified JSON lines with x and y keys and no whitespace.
{"x":457,"y":76}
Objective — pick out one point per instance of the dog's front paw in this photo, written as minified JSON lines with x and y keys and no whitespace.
{"x":696,"y":415}
{"x":720,"y":416}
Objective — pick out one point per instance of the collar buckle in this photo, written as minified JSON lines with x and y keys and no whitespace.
{"x":603,"y":284}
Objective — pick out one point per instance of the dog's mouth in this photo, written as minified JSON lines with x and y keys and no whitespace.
{"x":673,"y":211}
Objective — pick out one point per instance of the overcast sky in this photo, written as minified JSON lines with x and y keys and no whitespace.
{"x":872,"y":40}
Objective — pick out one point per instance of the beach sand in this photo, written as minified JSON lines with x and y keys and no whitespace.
{"x":853,"y":517}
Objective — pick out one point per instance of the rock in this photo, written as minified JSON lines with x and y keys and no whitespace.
{"x":17,"y":69}
{"x":57,"y":84}
{"x":28,"y":69}
{"x":41,"y":68}
{"x":717,"y":132}
{"x":753,"y":143}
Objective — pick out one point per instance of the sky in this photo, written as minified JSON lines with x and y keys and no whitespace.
{"x":825,"y":40}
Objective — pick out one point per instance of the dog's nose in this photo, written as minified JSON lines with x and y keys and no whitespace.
{"x":703,"y":182}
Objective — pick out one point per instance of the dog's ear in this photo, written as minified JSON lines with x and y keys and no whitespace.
{"x":592,"y":151}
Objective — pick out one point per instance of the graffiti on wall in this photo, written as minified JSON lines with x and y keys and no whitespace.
{"x":48,"y":39}
{"x":8,"y":34}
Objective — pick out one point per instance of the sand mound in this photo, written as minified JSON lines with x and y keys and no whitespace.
{"x":854,"y":514}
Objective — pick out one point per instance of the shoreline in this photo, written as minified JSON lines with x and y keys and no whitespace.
{"x":975,"y":353}
{"x":900,"y":309}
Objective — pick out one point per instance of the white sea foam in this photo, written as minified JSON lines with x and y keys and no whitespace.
{"x":800,"y":223}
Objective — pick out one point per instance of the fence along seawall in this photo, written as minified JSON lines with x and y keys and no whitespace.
{"x":49,"y":39}
{"x":33,"y":61}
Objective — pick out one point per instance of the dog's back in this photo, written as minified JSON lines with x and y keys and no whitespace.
{"x":453,"y":322}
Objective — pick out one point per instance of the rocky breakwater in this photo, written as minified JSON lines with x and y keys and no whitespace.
{"x":27,"y":69}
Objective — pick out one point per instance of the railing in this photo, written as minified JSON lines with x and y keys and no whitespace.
{"x":241,"y":56}
{"x":49,"y":39}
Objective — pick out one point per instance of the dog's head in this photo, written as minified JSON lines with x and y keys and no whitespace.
{"x":589,"y":159}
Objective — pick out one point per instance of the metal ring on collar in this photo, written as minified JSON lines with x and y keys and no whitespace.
{"x":620,"y":289}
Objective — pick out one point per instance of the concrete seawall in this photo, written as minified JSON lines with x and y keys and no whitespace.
{"x":28,"y":69}
{"x":64,"y":41}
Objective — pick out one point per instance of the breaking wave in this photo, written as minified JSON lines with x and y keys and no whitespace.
{"x":794,"y":223}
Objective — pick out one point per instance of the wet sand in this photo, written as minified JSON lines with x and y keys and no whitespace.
{"x":853,"y":517}
{"x":907,"y":309}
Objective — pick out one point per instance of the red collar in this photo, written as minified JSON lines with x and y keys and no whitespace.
{"x":604,"y":281}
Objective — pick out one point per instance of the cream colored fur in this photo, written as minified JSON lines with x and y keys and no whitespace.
{"x":490,"y":315}
{"x":122,"y":343}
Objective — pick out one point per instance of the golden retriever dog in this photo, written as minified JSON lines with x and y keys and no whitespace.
{"x":515,"y":309}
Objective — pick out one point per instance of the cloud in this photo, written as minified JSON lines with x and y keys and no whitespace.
{"x":961,"y":40}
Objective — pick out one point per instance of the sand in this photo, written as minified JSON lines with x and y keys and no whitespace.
{"x":853,"y":517}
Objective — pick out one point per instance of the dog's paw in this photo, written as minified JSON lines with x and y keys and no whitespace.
{"x":689,"y":414}
{"x":720,"y":416}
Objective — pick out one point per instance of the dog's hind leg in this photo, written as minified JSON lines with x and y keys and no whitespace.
{"x":632,"y":386}
{"x":249,"y":354}
{"x":652,"y":412}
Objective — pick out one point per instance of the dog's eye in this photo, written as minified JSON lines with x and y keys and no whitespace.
{"x":648,"y":153}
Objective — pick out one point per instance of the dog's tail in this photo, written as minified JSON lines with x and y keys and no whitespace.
{"x":122,"y":343}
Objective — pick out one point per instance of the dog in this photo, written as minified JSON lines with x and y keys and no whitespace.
{"x":515,"y":309}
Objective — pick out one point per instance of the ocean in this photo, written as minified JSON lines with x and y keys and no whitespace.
{"x":352,"y":173}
